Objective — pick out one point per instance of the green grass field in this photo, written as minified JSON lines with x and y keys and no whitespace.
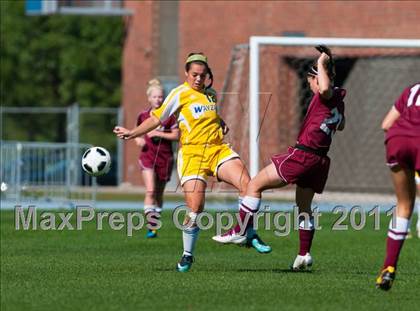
{"x":106,"y":270}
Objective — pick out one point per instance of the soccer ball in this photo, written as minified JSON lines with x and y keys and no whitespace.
{"x":96,"y":161}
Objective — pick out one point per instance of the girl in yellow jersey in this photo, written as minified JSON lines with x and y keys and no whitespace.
{"x":202,"y":152}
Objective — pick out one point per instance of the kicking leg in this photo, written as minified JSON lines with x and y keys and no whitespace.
{"x":235,"y":173}
{"x":266,"y":179}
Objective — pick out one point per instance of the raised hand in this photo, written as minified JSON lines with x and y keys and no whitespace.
{"x":324,"y":59}
{"x":323,"y":49}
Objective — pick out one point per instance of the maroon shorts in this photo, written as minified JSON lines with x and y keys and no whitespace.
{"x":161,"y":164}
{"x":403,"y":151}
{"x":305,"y":169}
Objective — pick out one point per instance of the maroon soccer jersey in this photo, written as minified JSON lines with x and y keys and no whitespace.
{"x":408,"y":105}
{"x":156,"y":146}
{"x":321,"y":120}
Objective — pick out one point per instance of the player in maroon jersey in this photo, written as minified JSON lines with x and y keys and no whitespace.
{"x":402,"y":140}
{"x":306,"y":164}
{"x":156,"y":156}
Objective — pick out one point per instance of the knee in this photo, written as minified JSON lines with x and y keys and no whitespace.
{"x":246,"y":179}
{"x":253,"y":187}
{"x":191,"y":217}
{"x":244,"y":182}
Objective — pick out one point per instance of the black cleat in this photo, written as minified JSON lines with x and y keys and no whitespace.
{"x":386,"y":278}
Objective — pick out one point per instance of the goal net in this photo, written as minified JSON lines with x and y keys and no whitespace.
{"x":373,"y":75}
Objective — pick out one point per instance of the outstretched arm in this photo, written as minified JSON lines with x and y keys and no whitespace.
{"x":145,"y":127}
{"x":390,"y":118}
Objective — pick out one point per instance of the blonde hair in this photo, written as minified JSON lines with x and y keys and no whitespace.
{"x":153,"y":84}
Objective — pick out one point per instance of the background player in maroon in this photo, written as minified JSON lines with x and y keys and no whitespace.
{"x":402,"y":140}
{"x":156,"y":156}
{"x":306,"y":164}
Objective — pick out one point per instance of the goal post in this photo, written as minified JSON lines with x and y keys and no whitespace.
{"x":256,"y":42}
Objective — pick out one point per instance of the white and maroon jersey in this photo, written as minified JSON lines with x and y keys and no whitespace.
{"x":408,"y":105}
{"x":158,"y":146}
{"x":321,"y":120}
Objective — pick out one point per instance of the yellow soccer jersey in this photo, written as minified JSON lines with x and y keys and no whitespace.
{"x":198,"y":120}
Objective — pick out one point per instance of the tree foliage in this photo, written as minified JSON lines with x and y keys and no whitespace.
{"x":57,"y":61}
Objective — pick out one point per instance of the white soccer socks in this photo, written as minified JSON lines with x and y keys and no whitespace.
{"x":190,"y":234}
{"x":397,"y":233}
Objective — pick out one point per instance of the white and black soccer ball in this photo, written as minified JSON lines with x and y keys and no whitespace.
{"x":96,"y":161}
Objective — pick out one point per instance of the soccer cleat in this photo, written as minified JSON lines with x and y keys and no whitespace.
{"x":151,"y":234}
{"x":185,"y":264}
{"x":386,"y":278}
{"x":302,"y":262}
{"x":256,"y":242}
{"x":230,"y":237}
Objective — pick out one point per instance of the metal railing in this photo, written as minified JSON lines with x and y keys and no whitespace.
{"x":45,"y":171}
{"x":73,"y":115}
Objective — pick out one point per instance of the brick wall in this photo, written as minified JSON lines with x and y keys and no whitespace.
{"x":216,"y":27}
{"x":138,"y":60}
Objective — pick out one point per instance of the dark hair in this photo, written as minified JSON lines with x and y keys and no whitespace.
{"x":208,"y":69}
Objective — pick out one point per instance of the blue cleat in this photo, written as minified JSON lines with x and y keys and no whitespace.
{"x":185,"y":264}
{"x":256,"y":242}
{"x":151,"y":234}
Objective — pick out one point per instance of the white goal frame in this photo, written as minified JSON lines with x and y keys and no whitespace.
{"x":256,"y":41}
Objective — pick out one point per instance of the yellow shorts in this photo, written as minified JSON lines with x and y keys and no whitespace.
{"x":201,"y":161}
{"x":417,"y":178}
